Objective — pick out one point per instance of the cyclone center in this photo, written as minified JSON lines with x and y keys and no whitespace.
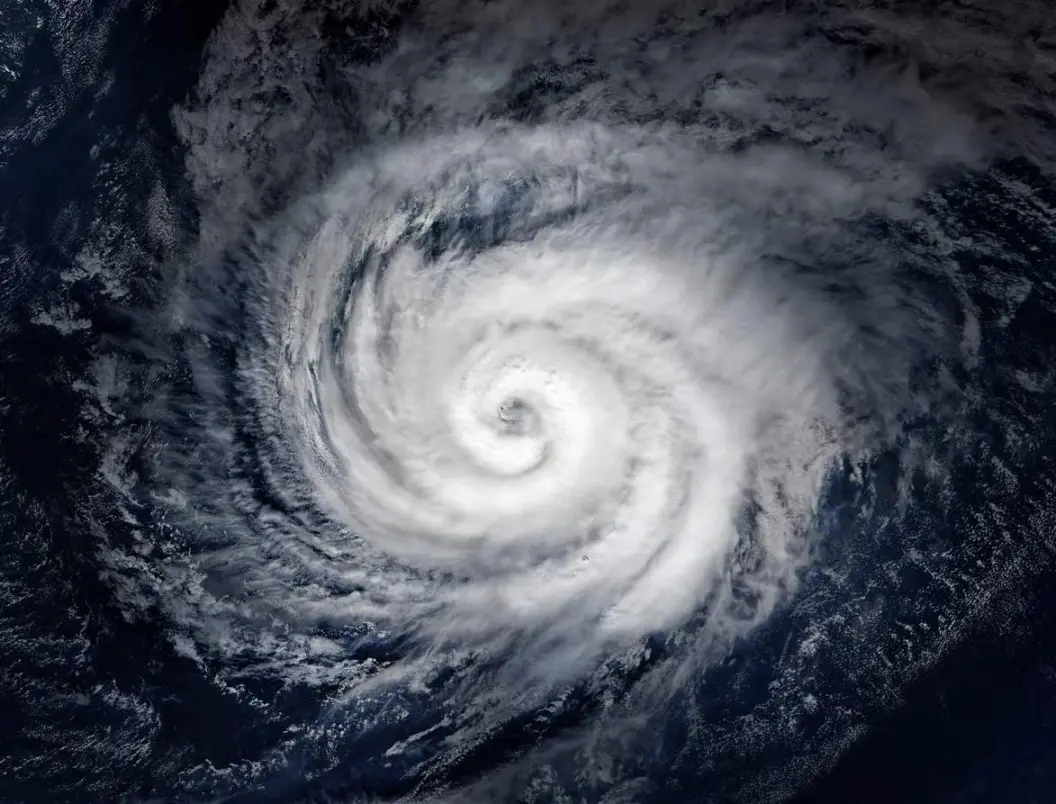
{"x":516,"y":416}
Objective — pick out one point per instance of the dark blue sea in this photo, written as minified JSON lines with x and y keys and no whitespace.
{"x":602,"y":401}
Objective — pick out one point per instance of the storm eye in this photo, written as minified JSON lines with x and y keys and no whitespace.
{"x":516,"y":416}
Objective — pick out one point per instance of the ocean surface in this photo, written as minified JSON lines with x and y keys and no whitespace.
{"x":527,"y":402}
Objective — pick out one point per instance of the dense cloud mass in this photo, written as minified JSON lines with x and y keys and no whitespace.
{"x":579,"y":402}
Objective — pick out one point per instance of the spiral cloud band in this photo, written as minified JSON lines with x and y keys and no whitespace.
{"x":583,"y":376}
{"x":515,"y":369}
{"x":531,"y":339}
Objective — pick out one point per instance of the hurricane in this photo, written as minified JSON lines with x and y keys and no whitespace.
{"x":566,"y":402}
{"x":556,"y":377}
{"x":564,"y":415}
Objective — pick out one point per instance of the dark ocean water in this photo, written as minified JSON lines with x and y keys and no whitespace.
{"x":932,"y":676}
